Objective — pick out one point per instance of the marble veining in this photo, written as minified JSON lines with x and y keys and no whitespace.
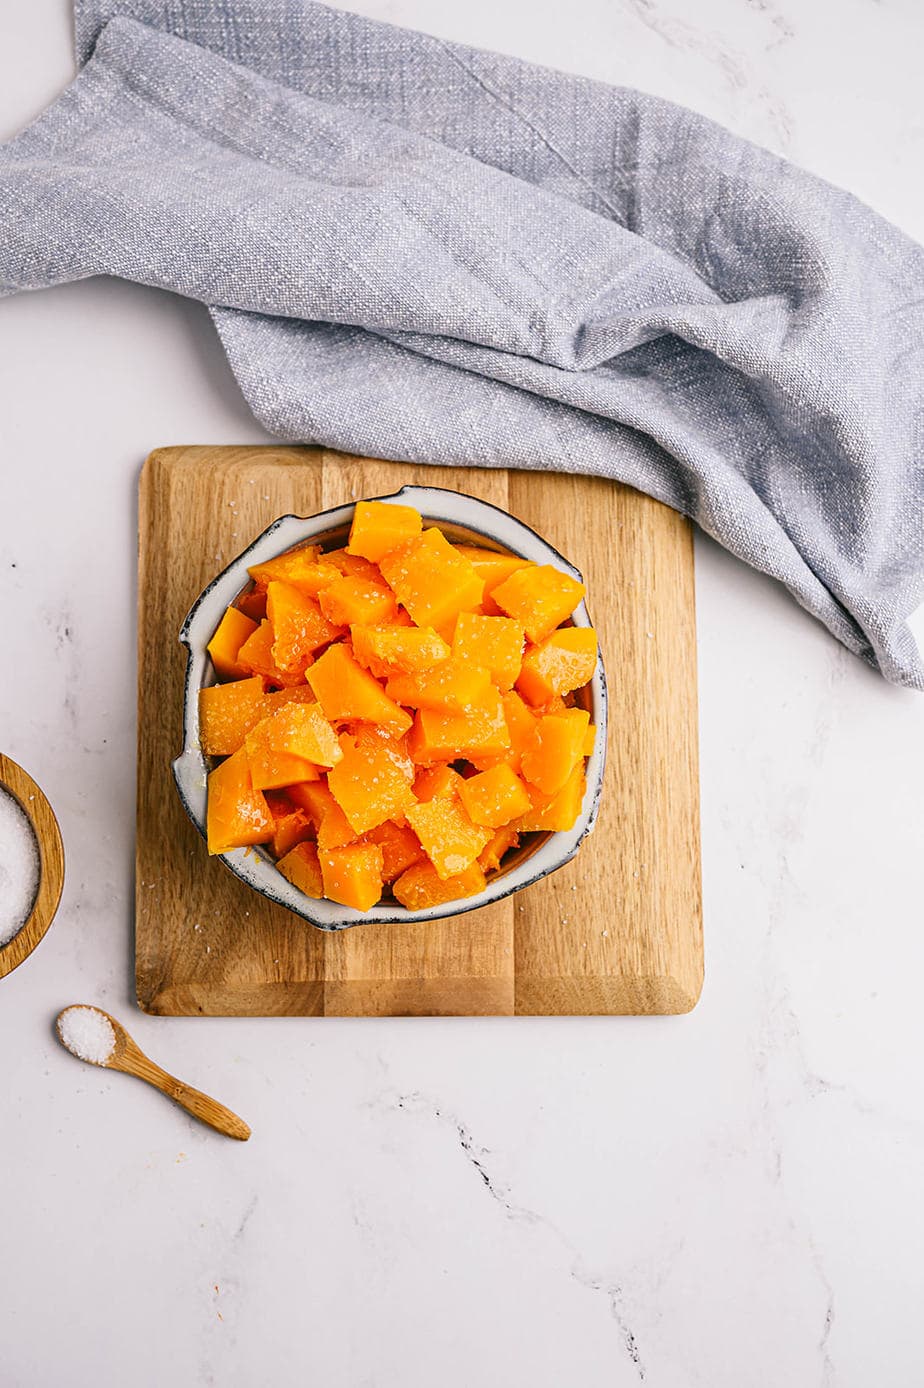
{"x":725,"y":1200}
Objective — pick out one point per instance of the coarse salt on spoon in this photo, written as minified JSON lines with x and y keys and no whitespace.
{"x":92,"y":1035}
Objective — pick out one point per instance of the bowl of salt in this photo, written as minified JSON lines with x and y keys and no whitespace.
{"x":31,"y":865}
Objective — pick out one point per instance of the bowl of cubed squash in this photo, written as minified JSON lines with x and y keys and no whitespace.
{"x":394,"y":710}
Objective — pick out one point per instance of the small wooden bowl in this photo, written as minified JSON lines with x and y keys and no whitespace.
{"x":40,"y":815}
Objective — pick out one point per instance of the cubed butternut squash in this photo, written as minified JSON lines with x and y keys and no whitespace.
{"x":449,"y":838}
{"x":562,"y":662}
{"x":227,"y":712}
{"x":540,"y":597}
{"x":557,"y":747}
{"x":400,"y":847}
{"x":372,"y":781}
{"x":256,"y":655}
{"x":353,"y":599}
{"x":346,"y":691}
{"x":435,"y":781}
{"x":289,"y":566}
{"x":253,"y":603}
{"x":237,"y":815}
{"x":501,"y":842}
{"x":301,"y":867}
{"x":302,"y":729}
{"x":353,"y":875}
{"x":481,"y":731}
{"x":494,"y":797}
{"x":326,"y":658}
{"x":300,"y":628}
{"x":379,"y":526}
{"x":394,"y":650}
{"x":554,"y":812}
{"x":421,"y":886}
{"x":291,"y":829}
{"x":453,"y":684}
{"x":353,"y":564}
{"x":230,"y":634}
{"x":494,"y":642}
{"x":492,"y":566}
{"x":431,"y":579}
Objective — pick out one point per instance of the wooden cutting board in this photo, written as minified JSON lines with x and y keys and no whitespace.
{"x":618,"y":930}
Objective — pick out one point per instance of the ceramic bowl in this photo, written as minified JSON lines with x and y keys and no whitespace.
{"x":464,"y":520}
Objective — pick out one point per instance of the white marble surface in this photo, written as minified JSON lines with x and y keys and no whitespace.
{"x":727,"y":1200}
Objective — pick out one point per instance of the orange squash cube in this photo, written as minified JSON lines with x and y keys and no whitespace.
{"x":379,"y":526}
{"x":237,"y":815}
{"x":227,"y":712}
{"x":252,"y":603}
{"x":557,"y":747}
{"x":440,"y":735}
{"x":256,"y":655}
{"x":299,"y":626}
{"x":293,"y":694}
{"x":301,"y":867}
{"x":314,"y":798}
{"x":332,"y":828}
{"x":562,"y":662}
{"x":311,"y":579}
{"x":494,"y":797}
{"x":420,"y":886}
{"x":558,"y":811}
{"x":431,"y":579}
{"x":436,"y":781}
{"x":400,"y":847}
{"x":353,"y":564}
{"x":302,"y":729}
{"x":345,"y":690}
{"x":354,"y":599}
{"x":494,"y":642}
{"x":330,"y":825}
{"x":230,"y":634}
{"x":449,"y":838}
{"x":335,"y":830}
{"x":505,"y":838}
{"x":522,"y":724}
{"x":271,"y":769}
{"x":373,"y":780}
{"x":288,"y":567}
{"x":540,"y":597}
{"x":353,"y":875}
{"x":452,"y":684}
{"x":491,"y":565}
{"x":394,"y":650}
{"x":291,"y":829}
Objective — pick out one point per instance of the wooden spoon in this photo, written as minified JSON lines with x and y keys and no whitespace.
{"x":128,"y":1057}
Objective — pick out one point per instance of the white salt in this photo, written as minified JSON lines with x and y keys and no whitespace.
{"x":87,"y":1033}
{"x":19,"y":867}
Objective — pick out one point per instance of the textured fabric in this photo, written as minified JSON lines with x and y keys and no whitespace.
{"x":427,"y":252}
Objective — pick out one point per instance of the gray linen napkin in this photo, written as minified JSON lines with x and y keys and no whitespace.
{"x":427,"y":252}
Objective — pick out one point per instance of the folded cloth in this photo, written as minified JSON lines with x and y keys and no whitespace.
{"x":422,"y":251}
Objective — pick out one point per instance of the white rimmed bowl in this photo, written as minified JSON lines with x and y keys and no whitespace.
{"x":466,"y":520}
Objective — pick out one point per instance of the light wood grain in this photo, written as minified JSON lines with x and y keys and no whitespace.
{"x":593,"y":938}
{"x":51,"y":864}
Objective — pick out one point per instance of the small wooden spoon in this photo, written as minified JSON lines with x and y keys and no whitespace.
{"x":128,"y":1057}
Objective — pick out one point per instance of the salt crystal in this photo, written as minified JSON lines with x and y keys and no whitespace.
{"x":87,"y":1033}
{"x":19,"y":867}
